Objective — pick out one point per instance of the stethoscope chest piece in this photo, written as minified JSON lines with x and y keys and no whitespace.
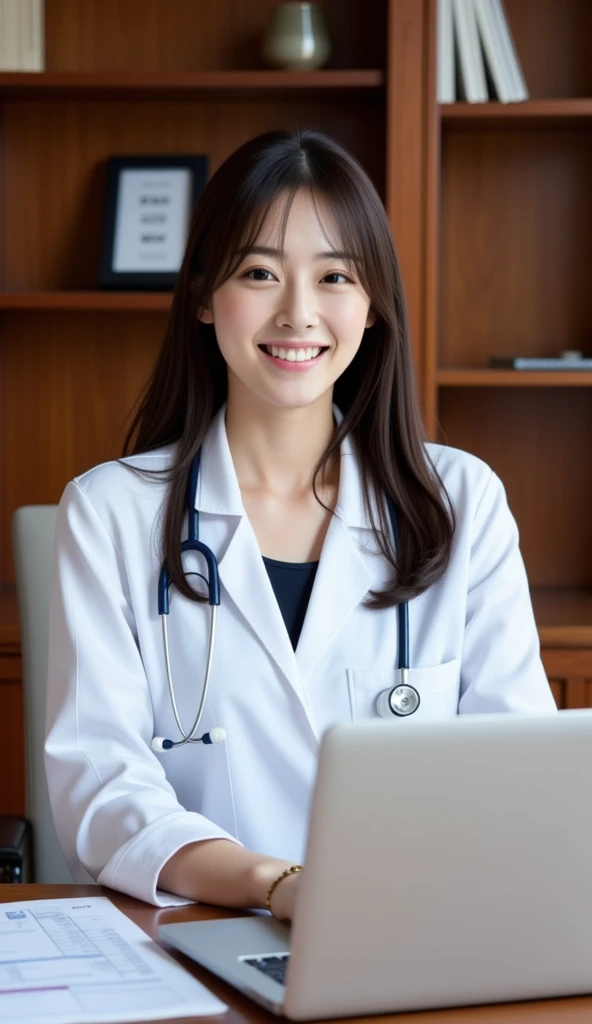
{"x":401,"y":701}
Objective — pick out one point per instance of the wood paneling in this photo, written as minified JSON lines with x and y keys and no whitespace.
{"x":570,"y":674}
{"x":12,"y":746}
{"x":68,"y":382}
{"x":538,"y":442}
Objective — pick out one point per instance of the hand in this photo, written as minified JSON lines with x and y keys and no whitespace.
{"x":284,"y":896}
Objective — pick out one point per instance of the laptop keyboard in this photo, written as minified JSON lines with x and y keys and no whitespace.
{"x":273,"y":966}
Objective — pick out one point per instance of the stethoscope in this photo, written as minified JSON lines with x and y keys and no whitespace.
{"x":400,"y":701}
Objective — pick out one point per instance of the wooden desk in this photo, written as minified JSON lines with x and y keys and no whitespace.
{"x":242,"y":1011}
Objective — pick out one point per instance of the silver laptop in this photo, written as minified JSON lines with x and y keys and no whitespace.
{"x":448,"y":863}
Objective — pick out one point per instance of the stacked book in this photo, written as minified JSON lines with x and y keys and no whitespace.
{"x":477,"y":58}
{"x":22,"y":46}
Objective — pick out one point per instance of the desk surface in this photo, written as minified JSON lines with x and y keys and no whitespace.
{"x":241,"y":1010}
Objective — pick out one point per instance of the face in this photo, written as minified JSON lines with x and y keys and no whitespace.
{"x":289,"y":323}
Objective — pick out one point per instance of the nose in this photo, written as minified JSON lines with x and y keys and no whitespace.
{"x":297,"y":310}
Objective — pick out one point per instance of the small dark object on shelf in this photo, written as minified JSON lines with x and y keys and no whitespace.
{"x":568,"y":360}
{"x":15,"y":850}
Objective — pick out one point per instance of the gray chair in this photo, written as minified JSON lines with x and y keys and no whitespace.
{"x":33,"y":531}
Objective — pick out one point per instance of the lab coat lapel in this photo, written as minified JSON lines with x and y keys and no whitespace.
{"x":347,"y":568}
{"x":241,"y":568}
{"x":243,"y":575}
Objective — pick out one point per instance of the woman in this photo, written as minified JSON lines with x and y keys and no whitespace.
{"x":287,"y":365}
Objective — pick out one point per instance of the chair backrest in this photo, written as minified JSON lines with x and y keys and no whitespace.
{"x":33,"y":531}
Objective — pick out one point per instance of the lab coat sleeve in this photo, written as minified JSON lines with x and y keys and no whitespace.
{"x":501,"y":664}
{"x":115,"y":812}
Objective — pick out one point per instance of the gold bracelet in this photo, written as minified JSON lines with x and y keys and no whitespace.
{"x":289,"y":871}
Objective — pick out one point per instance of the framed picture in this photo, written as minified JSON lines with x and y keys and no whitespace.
{"x":149,"y":203}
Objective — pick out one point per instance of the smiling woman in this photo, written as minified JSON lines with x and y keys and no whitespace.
{"x":290,"y":246}
{"x":280,"y":434}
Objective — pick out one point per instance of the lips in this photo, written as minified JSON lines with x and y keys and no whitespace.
{"x":293,"y":358}
{"x":293,"y":353}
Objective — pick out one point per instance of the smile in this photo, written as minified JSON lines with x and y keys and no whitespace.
{"x":293,"y":358}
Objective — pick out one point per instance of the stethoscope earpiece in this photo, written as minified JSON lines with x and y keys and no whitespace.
{"x":217,"y":735}
{"x":159,"y":743}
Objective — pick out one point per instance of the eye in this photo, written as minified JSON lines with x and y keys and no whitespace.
{"x":338,"y":273}
{"x":257,"y":271}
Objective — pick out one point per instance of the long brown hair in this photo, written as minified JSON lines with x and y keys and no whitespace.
{"x":376,"y":393}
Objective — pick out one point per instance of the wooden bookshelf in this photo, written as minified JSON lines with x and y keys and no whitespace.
{"x":508,"y":266}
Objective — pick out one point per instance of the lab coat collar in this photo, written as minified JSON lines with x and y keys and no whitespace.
{"x":219,"y":493}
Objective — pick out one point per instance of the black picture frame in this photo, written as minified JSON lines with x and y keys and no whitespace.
{"x":126,"y":249}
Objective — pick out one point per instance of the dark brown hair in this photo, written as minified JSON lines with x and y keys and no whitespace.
{"x":376,"y":393}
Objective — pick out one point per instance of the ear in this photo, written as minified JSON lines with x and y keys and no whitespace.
{"x":371,"y":318}
{"x":206,"y":316}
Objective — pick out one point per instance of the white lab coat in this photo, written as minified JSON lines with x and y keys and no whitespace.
{"x":121,"y":810}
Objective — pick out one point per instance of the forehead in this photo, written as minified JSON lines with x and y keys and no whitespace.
{"x":301,"y":218}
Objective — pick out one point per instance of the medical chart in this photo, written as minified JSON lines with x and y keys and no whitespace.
{"x":77,"y":961}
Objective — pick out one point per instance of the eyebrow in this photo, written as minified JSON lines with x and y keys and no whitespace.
{"x":328,"y":254}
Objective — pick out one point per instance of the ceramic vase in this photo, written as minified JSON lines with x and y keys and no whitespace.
{"x":296,"y":38}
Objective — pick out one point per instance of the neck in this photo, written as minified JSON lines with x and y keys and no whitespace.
{"x":278,"y":450}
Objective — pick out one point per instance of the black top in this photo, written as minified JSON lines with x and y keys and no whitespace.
{"x":292,"y":585}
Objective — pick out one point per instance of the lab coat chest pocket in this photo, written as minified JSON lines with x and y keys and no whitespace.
{"x":437,"y":685}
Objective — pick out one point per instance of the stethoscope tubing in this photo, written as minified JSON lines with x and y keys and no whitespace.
{"x":189,"y":737}
{"x":193,"y":543}
{"x":403,"y":608}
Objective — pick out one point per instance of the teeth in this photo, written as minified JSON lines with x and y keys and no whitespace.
{"x":294,"y":355}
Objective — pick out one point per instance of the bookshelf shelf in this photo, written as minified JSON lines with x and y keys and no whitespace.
{"x":483,"y":378}
{"x":92,"y":301}
{"x":533,"y":112}
{"x":212,"y":84}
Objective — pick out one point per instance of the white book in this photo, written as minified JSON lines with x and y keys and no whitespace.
{"x":494,"y":52}
{"x":34,"y":49}
{"x":9,"y":36}
{"x":446,"y":82}
{"x":472,"y":67}
{"x":21,"y":35}
{"x":520,"y":87}
{"x":20,"y":17}
{"x":38,"y":42}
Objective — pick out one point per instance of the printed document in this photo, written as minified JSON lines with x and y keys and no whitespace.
{"x":77,"y":961}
